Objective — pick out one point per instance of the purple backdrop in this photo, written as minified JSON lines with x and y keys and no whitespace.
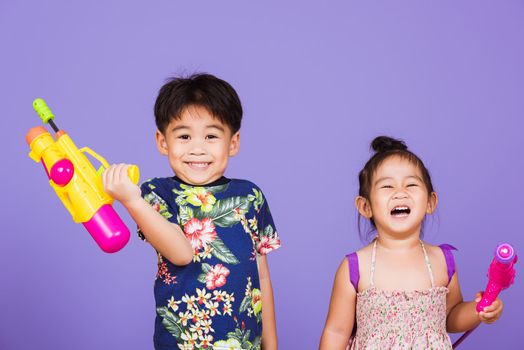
{"x":318,"y":82}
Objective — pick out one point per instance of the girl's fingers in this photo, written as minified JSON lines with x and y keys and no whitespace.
{"x":478,"y":296}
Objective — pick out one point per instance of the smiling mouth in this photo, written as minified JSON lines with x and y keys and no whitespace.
{"x":198,"y":165}
{"x":400,"y":211}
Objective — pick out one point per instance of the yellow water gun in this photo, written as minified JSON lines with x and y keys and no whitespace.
{"x":77,"y":183}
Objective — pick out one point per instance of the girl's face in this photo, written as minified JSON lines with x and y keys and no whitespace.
{"x":399,"y":199}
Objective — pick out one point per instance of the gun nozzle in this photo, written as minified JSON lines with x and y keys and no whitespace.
{"x":44,"y":112}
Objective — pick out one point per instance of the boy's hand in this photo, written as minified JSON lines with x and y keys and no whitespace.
{"x":490,"y":313}
{"x":118,"y":185}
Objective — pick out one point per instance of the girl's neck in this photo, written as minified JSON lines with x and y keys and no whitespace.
{"x":398,"y":244}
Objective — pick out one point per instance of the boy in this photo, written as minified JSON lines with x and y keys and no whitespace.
{"x":211,"y":233}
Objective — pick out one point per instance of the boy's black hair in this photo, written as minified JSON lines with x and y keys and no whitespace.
{"x":384,"y":148}
{"x":204,"y":90}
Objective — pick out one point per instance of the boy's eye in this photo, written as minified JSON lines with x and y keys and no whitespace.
{"x":210,"y":137}
{"x":183,"y":137}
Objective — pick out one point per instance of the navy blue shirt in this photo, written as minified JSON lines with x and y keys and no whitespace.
{"x":215,"y":301}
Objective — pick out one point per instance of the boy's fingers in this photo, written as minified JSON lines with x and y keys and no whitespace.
{"x":123,"y":172}
{"x":104,"y":181}
{"x":114,"y":173}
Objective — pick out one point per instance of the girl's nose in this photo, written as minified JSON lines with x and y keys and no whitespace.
{"x":400,"y":195}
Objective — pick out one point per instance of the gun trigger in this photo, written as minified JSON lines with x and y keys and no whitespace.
{"x":100,"y":170}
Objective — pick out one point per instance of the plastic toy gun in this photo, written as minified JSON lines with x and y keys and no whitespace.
{"x":77,"y":183}
{"x":501,"y":274}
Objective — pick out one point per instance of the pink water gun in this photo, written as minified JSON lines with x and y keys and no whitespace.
{"x":501,"y":275}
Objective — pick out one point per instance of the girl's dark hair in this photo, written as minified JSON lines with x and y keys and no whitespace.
{"x":204,"y":90}
{"x":385,"y":147}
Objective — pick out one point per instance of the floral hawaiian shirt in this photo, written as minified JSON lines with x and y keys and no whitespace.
{"x":215,"y":301}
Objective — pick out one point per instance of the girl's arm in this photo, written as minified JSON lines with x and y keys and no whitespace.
{"x":269,"y":327}
{"x":167,"y":238}
{"x":463,"y":316}
{"x":341,"y":315}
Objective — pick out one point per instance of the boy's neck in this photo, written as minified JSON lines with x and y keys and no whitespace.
{"x":220,"y":181}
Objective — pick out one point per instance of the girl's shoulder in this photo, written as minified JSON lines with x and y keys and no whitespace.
{"x":442,"y":261}
{"x":439,"y":250}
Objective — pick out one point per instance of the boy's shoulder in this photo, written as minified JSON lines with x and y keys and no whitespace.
{"x":246,"y":183}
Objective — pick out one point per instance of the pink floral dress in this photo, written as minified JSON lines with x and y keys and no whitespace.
{"x":400,"y":319}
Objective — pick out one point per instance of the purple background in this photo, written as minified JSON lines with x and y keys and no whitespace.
{"x":318,"y":81}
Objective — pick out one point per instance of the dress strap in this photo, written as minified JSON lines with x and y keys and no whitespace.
{"x":450,"y":260}
{"x":354,"y":274}
{"x":373,"y":259}
{"x":428,"y":264}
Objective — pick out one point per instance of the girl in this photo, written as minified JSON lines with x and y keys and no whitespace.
{"x":402,"y":292}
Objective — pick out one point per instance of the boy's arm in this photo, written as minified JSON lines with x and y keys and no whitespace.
{"x":463,"y":316}
{"x":167,"y":238}
{"x":269,"y":326}
{"x":341,"y":315}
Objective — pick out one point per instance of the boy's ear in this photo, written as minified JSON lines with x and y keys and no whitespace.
{"x":432,"y":203}
{"x":363,"y":207}
{"x":234,"y":145}
{"x":161,"y":143}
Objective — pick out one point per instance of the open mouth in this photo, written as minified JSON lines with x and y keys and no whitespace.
{"x":400,"y":211}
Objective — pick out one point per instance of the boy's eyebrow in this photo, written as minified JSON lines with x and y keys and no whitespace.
{"x":180,"y":127}
{"x":215,"y":126}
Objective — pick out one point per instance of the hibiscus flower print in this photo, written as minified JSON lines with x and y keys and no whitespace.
{"x":267,"y":244}
{"x":200,"y":232}
{"x":216,"y":276}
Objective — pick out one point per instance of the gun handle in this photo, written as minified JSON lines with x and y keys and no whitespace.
{"x":490,"y":294}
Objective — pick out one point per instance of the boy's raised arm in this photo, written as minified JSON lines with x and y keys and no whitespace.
{"x":167,"y":238}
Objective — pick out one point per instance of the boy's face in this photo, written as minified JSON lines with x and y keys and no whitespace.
{"x":198,"y":146}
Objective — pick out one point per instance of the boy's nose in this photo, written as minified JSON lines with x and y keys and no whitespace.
{"x":197,"y":150}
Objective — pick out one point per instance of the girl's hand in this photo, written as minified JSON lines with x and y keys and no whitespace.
{"x":490,"y":313}
{"x":118,"y":185}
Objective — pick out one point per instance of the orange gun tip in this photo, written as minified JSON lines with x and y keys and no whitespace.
{"x":33,"y":133}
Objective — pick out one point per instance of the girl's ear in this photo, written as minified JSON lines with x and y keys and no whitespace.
{"x":234,"y":144}
{"x":363,"y":207}
{"x":432,"y":203}
{"x":161,"y":143}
